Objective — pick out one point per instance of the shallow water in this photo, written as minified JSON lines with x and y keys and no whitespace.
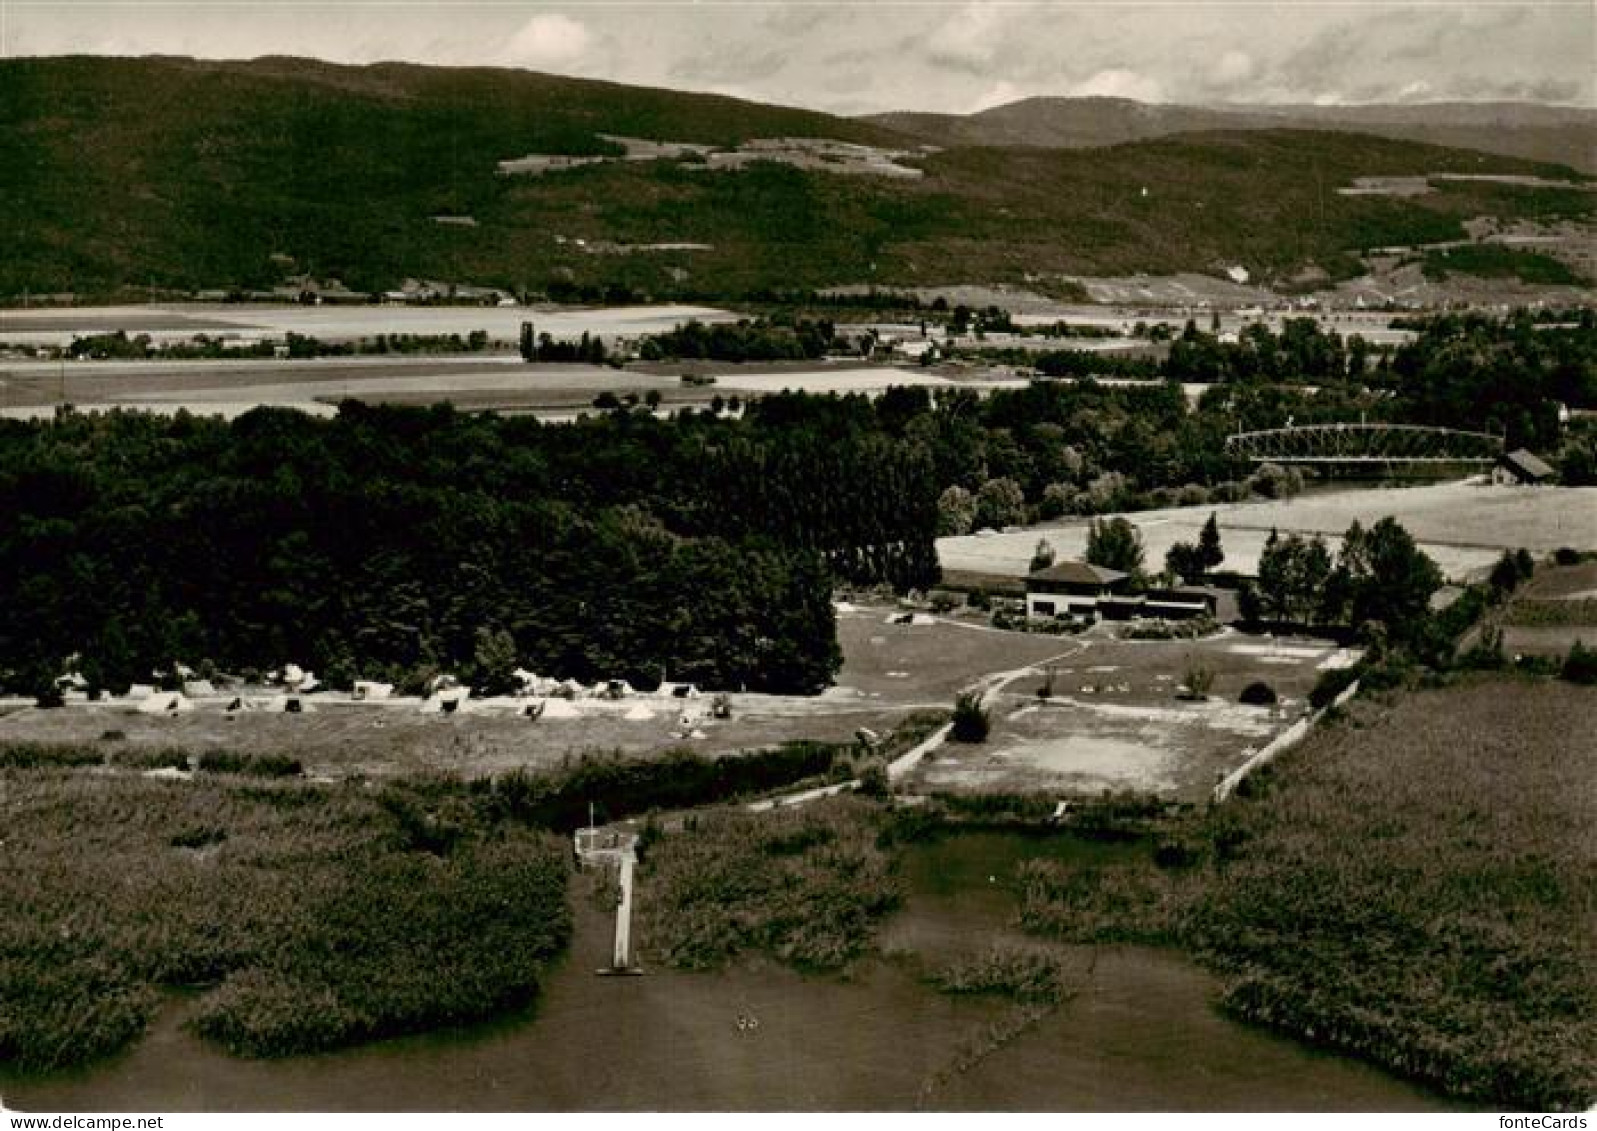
{"x":1142,"y":1035}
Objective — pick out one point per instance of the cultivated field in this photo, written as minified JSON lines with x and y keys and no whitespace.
{"x":1554,"y":610}
{"x":58,"y":326}
{"x":501,"y":382}
{"x":229,"y":388}
{"x":1464,"y":526}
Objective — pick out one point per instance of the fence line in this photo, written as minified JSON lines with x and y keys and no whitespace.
{"x":1287,"y":739}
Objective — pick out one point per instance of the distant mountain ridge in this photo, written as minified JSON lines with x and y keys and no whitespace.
{"x":1566,"y":135}
{"x":147,"y":176}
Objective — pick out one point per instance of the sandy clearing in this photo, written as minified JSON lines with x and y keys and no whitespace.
{"x":1286,"y":651}
{"x":839,"y":380}
{"x":1213,"y":713}
{"x":1103,"y":762}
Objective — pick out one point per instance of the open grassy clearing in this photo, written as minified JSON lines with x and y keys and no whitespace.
{"x":929,"y":663}
{"x":1114,"y":720}
{"x":1415,"y":885}
{"x":339,"y":738}
{"x":1463,"y":526}
{"x":343,"y":739}
{"x":1140,"y":737}
{"x":309,"y":916}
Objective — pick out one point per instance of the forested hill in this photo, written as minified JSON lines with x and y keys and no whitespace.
{"x":123,"y":174}
{"x":1562,"y":134}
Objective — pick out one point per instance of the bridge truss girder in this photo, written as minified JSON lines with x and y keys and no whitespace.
{"x":1364,"y":444}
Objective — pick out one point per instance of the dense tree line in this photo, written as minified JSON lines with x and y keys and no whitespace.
{"x":588,"y":348}
{"x":1083,"y":448}
{"x":747,"y":340}
{"x":119,"y":346}
{"x":394,"y":542}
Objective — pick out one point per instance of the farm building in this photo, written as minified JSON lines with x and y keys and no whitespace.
{"x":1071,"y":589}
{"x":1520,"y":468}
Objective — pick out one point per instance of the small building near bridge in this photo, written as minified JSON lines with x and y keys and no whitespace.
{"x":1520,"y":468}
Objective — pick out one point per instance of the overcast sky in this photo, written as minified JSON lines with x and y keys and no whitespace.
{"x":859,"y":57}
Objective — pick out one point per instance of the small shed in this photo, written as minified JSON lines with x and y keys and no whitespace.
{"x":1521,"y":468}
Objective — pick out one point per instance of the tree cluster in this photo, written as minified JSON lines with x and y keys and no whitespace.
{"x":391,"y":542}
{"x":746,"y":340}
{"x":1380,"y":583}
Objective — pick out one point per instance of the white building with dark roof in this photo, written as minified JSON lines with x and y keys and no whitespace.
{"x":1520,"y":468}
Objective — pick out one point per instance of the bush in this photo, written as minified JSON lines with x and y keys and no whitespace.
{"x":1176,"y":853}
{"x":1486,"y":654}
{"x":1566,"y":556}
{"x":1580,"y":666}
{"x":873,"y":780}
{"x":972,"y":721}
{"x":32,"y":756}
{"x":1031,"y":974}
{"x":254,"y":765}
{"x":1196,"y":682}
{"x":1330,"y":685}
{"x":1258,"y":694}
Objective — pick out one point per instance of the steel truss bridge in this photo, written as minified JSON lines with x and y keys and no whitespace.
{"x":1364,"y":444}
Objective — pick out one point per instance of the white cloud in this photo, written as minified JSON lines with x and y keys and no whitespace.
{"x":1118,"y":82}
{"x":548,"y":40}
{"x":970,"y":38}
{"x":856,"y":55}
{"x":1233,"y":67}
{"x":998,"y":94}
